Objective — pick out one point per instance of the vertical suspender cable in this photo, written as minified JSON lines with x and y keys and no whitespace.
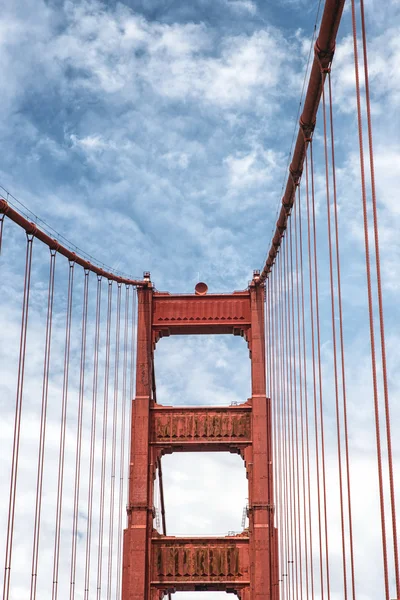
{"x":133,"y":346}
{"x":1,"y":230}
{"x":283,"y":425}
{"x":321,"y":411}
{"x":122,"y":442}
{"x":295,"y":558}
{"x":43,"y":416}
{"x":335,"y":365}
{"x":131,"y":380}
{"x":268,"y":337}
{"x":341,"y":337}
{"x":297,"y":225}
{"x":266,"y":340}
{"x":104,"y":442}
{"x":286,"y":432}
{"x":162,"y":503}
{"x":299,"y":402}
{"x":314,"y":378}
{"x":279,"y":421}
{"x":114,"y":445}
{"x":60,"y":481}
{"x":370,"y":308}
{"x":306,"y":396}
{"x":268,"y":349}
{"x":17,"y":418}
{"x":291,"y":556}
{"x":296,"y":480}
{"x":380,"y":305}
{"x":78,"y":449}
{"x":284,"y":428}
{"x":275,"y":383}
{"x":289,"y":562}
{"x":274,"y":398}
{"x":289,"y":429}
{"x":294,"y":416}
{"x":92,"y":439}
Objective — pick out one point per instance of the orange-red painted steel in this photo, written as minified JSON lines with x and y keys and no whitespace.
{"x":33,"y":230}
{"x":17,"y":418}
{"x":43,"y":424}
{"x":385,"y":543}
{"x":324,"y":50}
{"x":154,"y":564}
{"x":78,"y":449}
{"x":341,"y":340}
{"x":63,"y":424}
{"x":96,"y":353}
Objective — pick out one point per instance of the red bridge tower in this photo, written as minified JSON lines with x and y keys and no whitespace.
{"x":245,"y":564}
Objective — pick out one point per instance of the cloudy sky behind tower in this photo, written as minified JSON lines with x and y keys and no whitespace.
{"x":155,"y":135}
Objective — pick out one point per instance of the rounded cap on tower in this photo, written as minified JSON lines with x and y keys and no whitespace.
{"x":201,"y":289}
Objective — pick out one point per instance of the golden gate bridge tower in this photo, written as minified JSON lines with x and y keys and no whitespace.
{"x":247,"y":563}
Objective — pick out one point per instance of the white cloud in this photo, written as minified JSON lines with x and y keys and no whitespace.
{"x":90,"y":142}
{"x":383,"y":54}
{"x":253,"y":169}
{"x":176,"y":160}
{"x":115,"y":54}
{"x":242,"y":5}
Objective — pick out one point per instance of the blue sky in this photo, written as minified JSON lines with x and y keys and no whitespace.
{"x":155,"y":136}
{"x":186,"y":108}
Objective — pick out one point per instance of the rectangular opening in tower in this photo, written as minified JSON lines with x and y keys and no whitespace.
{"x":202,"y":370}
{"x":205,"y":494}
{"x":197,"y":596}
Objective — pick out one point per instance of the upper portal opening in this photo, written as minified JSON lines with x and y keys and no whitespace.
{"x":202,"y":370}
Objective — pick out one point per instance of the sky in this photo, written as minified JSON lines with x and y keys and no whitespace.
{"x":154,"y":135}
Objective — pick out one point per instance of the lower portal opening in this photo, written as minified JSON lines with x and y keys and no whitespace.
{"x":204,"y":596}
{"x":205,"y":494}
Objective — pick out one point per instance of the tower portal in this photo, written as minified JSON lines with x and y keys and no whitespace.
{"x":246,"y":564}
